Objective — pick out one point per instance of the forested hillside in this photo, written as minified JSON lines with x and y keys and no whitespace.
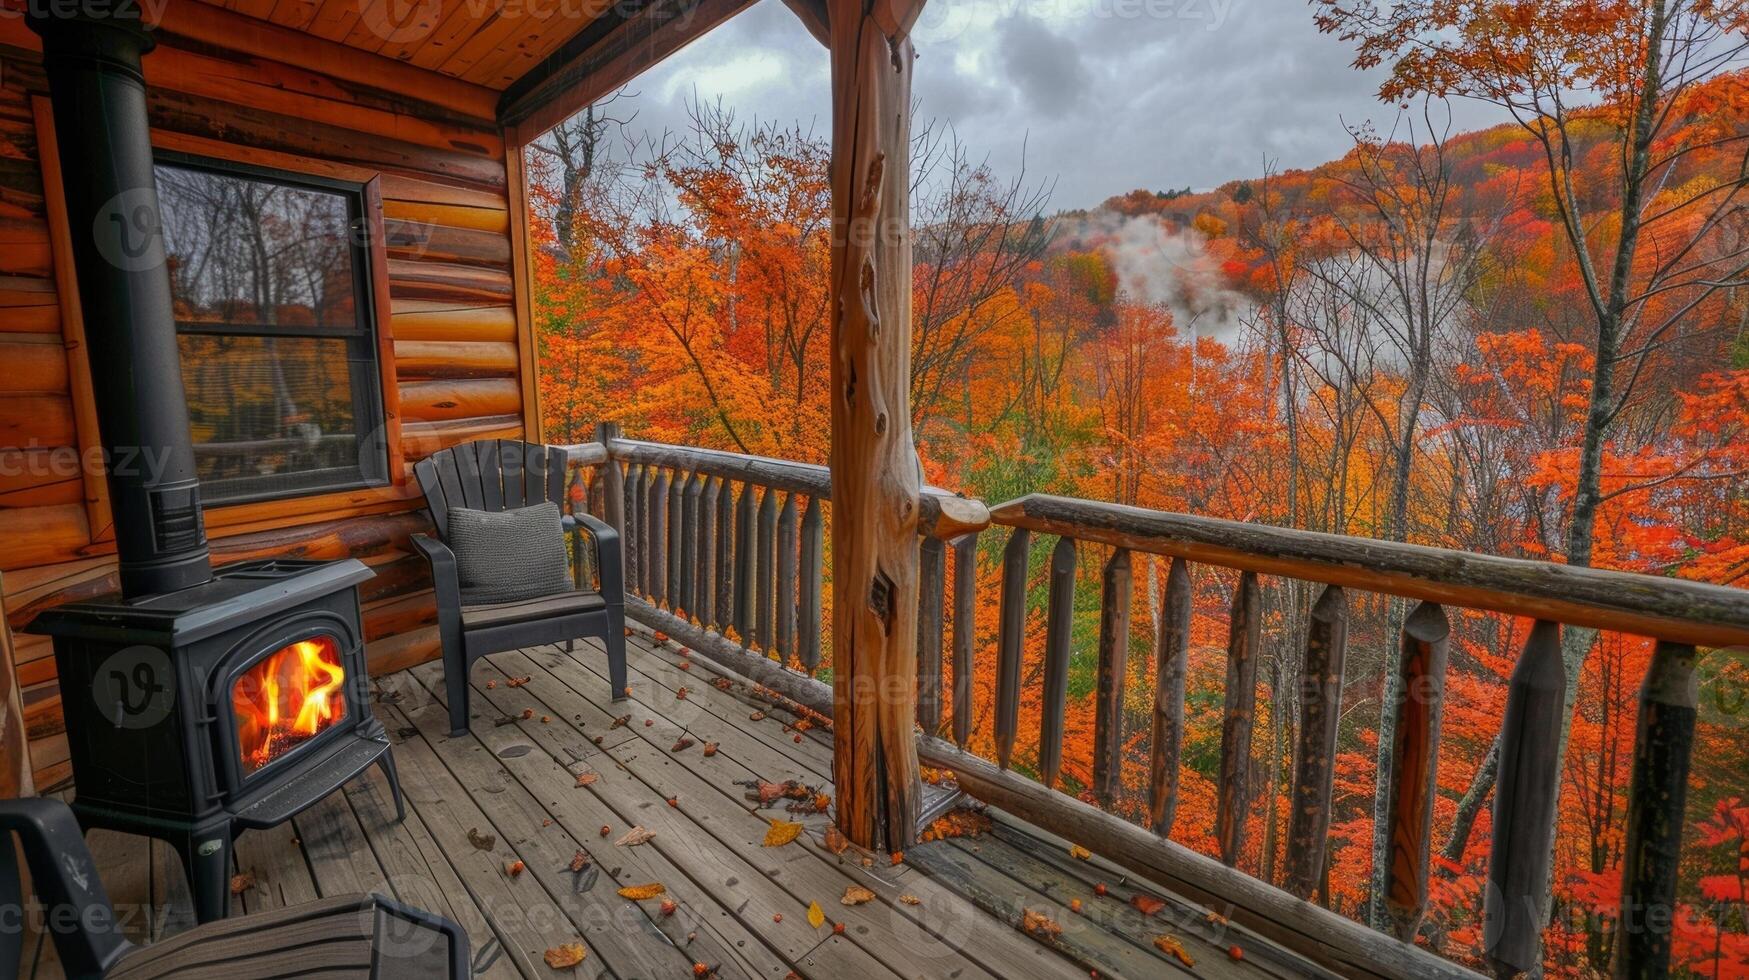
{"x":1401,"y":343}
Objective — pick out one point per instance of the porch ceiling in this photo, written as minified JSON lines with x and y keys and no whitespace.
{"x":490,"y":43}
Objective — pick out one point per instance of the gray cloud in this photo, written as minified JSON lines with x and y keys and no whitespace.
{"x":1104,"y":95}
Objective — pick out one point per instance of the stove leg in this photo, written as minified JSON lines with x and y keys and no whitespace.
{"x":206,"y":859}
{"x":387,"y":762}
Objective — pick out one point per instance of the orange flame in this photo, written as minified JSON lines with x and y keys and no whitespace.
{"x":289,"y":697}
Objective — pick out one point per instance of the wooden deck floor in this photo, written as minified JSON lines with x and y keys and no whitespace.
{"x":509,"y":792}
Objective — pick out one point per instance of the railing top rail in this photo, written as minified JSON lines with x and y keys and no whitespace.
{"x":1665,"y":608}
{"x":942,"y":512}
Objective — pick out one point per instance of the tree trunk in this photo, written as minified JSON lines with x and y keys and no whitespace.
{"x":875,"y":473}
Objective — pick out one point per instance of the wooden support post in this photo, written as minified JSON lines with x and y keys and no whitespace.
{"x":1663,"y":743}
{"x":15,"y":774}
{"x":746,"y":516}
{"x":613,"y":485}
{"x":1010,"y":639}
{"x":1315,"y":756}
{"x":709,"y":538}
{"x":1059,"y":620}
{"x":784,"y":640}
{"x":1414,"y":765}
{"x":1244,"y":636}
{"x":1114,"y":655}
{"x":722,"y":612}
{"x":1524,"y":806}
{"x":965,"y":586}
{"x":933,"y":558}
{"x":813,"y":580}
{"x":1172,"y":654}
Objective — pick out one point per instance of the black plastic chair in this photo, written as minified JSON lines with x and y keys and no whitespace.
{"x":359,"y":935}
{"x":497,"y":475}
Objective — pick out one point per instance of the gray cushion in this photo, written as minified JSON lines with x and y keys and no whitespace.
{"x":503,"y":556}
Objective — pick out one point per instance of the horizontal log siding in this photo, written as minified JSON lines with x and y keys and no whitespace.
{"x":448,"y":243}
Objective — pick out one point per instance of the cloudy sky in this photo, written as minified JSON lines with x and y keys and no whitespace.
{"x":1104,"y":96}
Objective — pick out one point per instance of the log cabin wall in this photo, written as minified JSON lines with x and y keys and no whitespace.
{"x":453,"y":338}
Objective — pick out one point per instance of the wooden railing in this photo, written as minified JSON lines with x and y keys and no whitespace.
{"x":726,"y":553}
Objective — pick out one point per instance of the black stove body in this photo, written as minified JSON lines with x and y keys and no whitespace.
{"x":235,"y":704}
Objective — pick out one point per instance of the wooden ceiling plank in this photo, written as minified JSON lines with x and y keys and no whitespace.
{"x":296,"y":14}
{"x":219,"y":28}
{"x":334,"y":20}
{"x":512,"y":61}
{"x":454,"y":29}
{"x":488,"y":36}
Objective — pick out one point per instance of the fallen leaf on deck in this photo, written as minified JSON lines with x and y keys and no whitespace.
{"x":682,"y":745}
{"x":1147,"y":904}
{"x":514,"y":868}
{"x":639,"y":893}
{"x":910,"y":900}
{"x":1039,"y":924}
{"x":241,"y":883}
{"x":723,"y":683}
{"x":781,"y":832}
{"x":484,"y":842}
{"x":565,"y":957}
{"x":756,"y":716}
{"x":1079,"y":853}
{"x":816,"y":916}
{"x":856,"y":895}
{"x":620,"y":722}
{"x":710,"y":749}
{"x":1172,"y":947}
{"x":579,"y":861}
{"x":634,"y":837}
{"x":836,"y":842}
{"x":587,"y":778}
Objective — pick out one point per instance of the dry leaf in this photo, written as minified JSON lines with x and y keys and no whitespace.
{"x":483,"y":842}
{"x":682,"y":745}
{"x":1147,"y":904}
{"x":781,"y":832}
{"x":1079,"y":853}
{"x":856,"y":895}
{"x":587,"y":778}
{"x":620,"y":722}
{"x":910,"y":900}
{"x":241,"y":883}
{"x":1172,"y":947}
{"x":1039,"y":924}
{"x":514,"y":868}
{"x":639,"y":893}
{"x":836,"y":842}
{"x":634,"y":837}
{"x":565,"y":957}
{"x":816,"y":916}
{"x":710,"y":749}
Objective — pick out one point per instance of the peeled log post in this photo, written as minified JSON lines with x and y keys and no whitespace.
{"x":722,"y":612}
{"x":1244,"y":635}
{"x":656,"y":545}
{"x":1524,"y":805}
{"x":813,"y":540}
{"x":765,"y":572}
{"x":1414,"y":764}
{"x":965,"y":584}
{"x":1663,"y":742}
{"x":746,"y":516}
{"x":636,"y":528}
{"x":784,"y":642}
{"x":1114,"y":650}
{"x":1315,"y":756}
{"x":676,"y":534}
{"x":708,"y":541}
{"x":686,"y":576}
{"x":1172,"y":653}
{"x":1059,"y":620}
{"x":1010,"y":638}
{"x":875,"y":472}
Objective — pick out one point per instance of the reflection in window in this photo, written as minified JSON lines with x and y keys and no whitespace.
{"x":278,"y":356}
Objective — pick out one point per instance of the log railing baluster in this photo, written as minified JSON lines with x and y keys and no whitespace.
{"x":764,"y":570}
{"x":637,"y":530}
{"x":1171,"y":654}
{"x":706,"y":590}
{"x":1420,"y":697}
{"x":1059,"y":622}
{"x":1010,"y":640}
{"x":613,"y":481}
{"x":1245,"y":633}
{"x":658,"y":545}
{"x":722,"y":609}
{"x":813,"y":580}
{"x":1315,"y":753}
{"x":785,"y":606}
{"x":1525,"y":788}
{"x":965,"y":631}
{"x":1657,"y":796}
{"x":1114,"y":652}
{"x":676,"y":534}
{"x":746,"y":511}
{"x":687,"y":573}
{"x":932,"y":572}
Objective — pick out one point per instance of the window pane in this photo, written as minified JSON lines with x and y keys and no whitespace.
{"x":278,"y":414}
{"x":248,"y":252}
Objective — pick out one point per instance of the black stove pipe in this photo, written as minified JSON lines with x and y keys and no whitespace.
{"x":99,"y":94}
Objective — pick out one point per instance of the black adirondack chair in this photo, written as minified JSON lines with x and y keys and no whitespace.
{"x":358,"y":935}
{"x":497,"y":475}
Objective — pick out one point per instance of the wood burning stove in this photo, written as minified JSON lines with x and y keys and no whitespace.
{"x":196,"y":704}
{"x":197,"y":714}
